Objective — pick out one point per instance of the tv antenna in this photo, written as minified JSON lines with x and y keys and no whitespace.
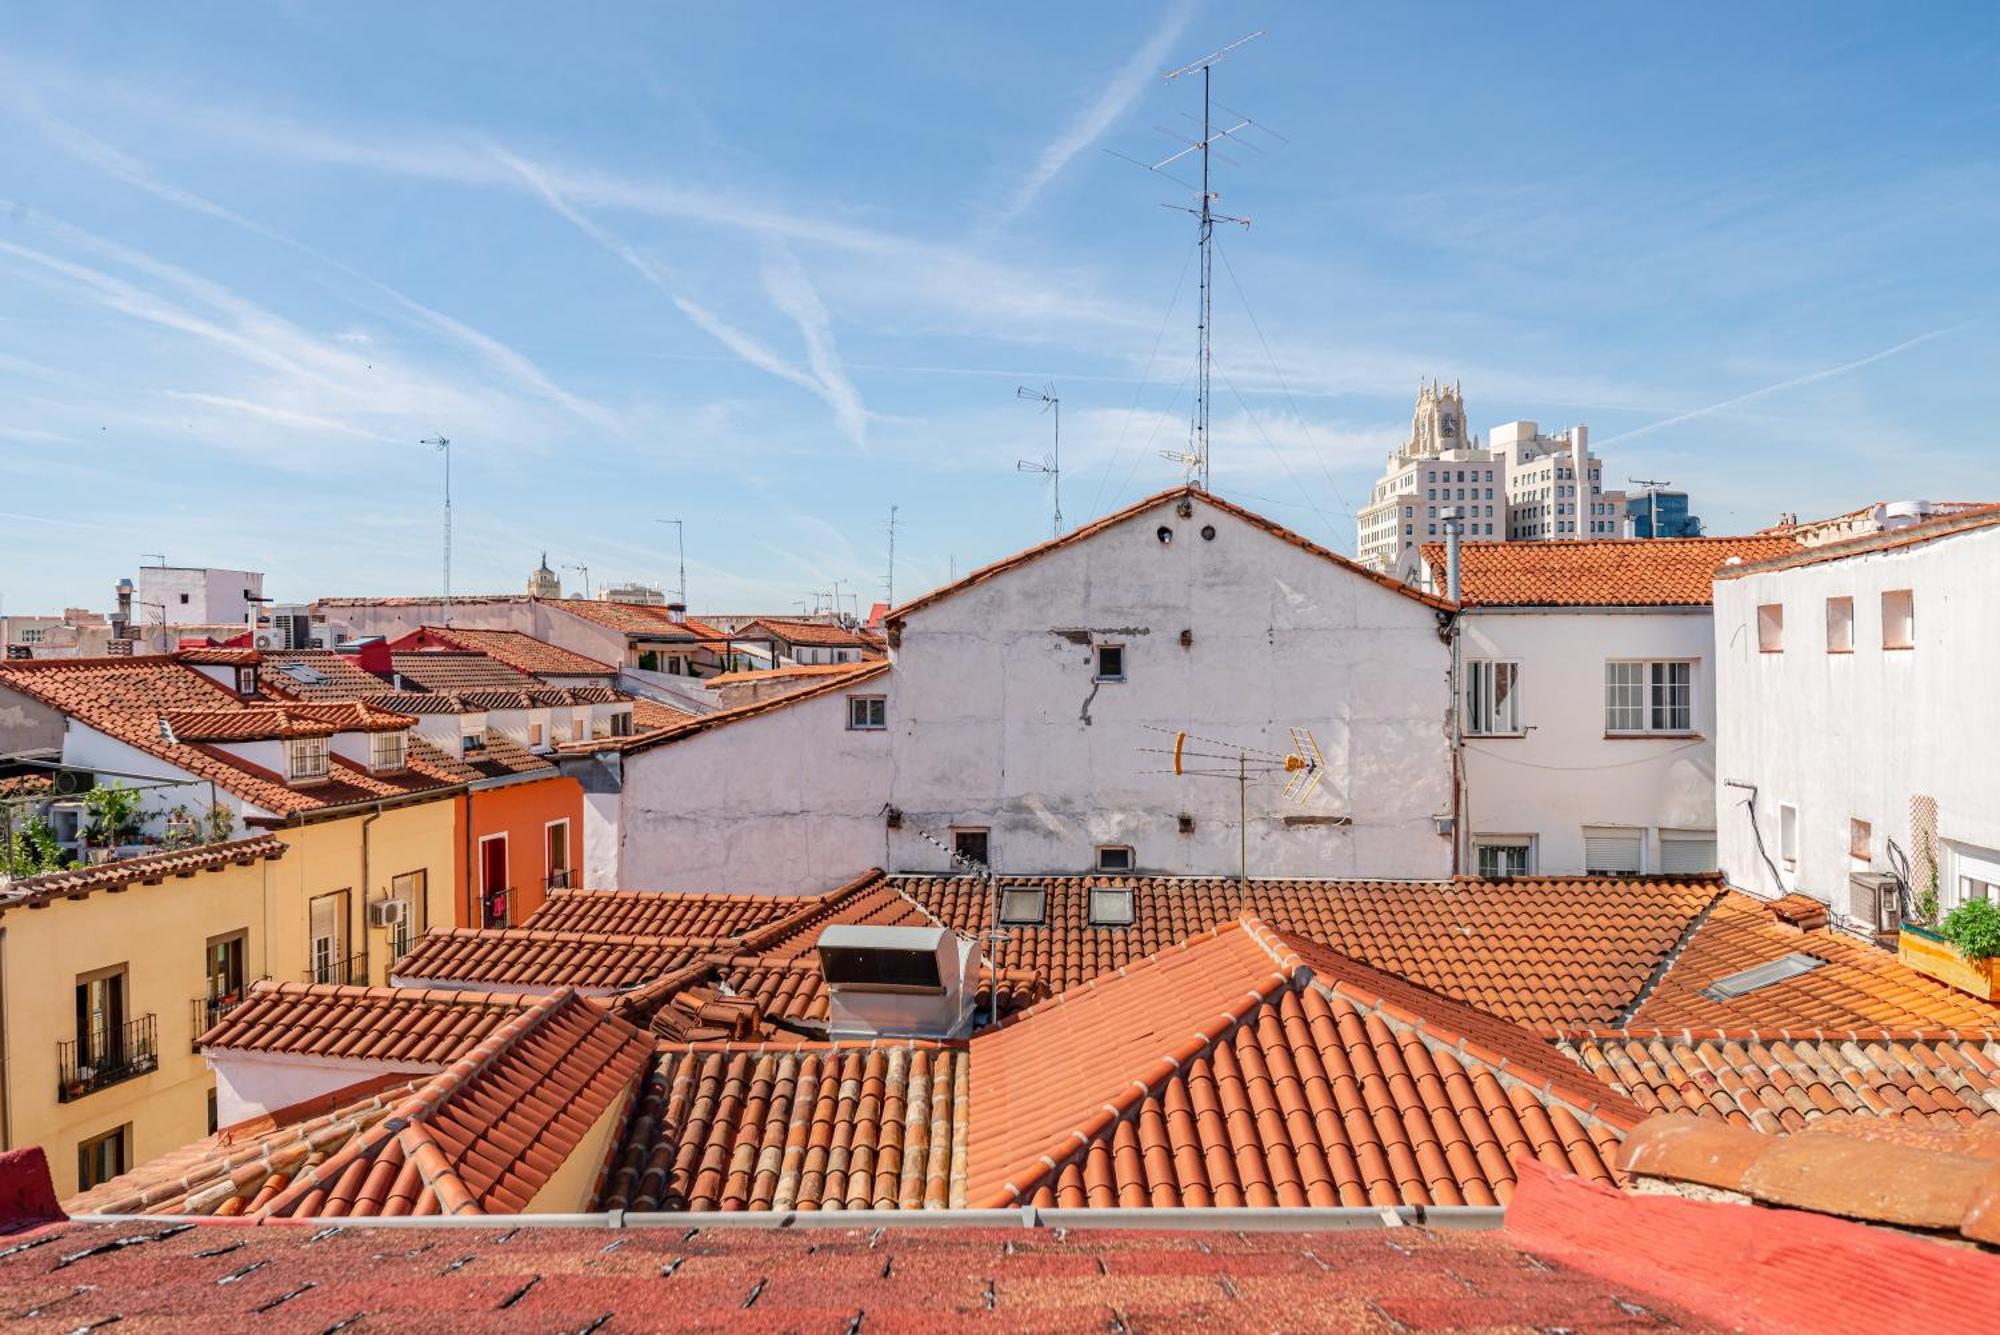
{"x":1196,"y":459}
{"x":442,"y":444}
{"x":1652,"y":486}
{"x":680,"y":547}
{"x":1051,"y":463}
{"x":972,"y":866}
{"x":1207,"y":757}
{"x":585,"y":572}
{"x":889,"y":580}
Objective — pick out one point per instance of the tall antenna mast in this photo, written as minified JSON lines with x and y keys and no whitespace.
{"x":1051,"y":463}
{"x":1206,"y":218}
{"x":442,"y":444}
{"x":680,"y":547}
{"x":889,"y":580}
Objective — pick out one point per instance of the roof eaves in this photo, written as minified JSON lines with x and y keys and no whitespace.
{"x":1868,"y":544}
{"x":721,"y":718}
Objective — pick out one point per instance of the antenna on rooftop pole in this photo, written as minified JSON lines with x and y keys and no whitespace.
{"x":585,"y":572}
{"x":889,"y":580}
{"x":1051,"y":463}
{"x":442,"y":444}
{"x":680,"y":547}
{"x":1652,"y":486}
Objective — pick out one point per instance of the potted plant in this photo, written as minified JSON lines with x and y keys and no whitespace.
{"x":115,"y":821}
{"x":1963,"y":950}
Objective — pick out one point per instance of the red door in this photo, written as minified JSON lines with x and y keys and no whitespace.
{"x":493,"y":880}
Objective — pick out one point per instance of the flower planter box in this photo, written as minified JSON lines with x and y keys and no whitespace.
{"x":1930,"y":954}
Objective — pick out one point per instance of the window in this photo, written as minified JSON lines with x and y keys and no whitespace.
{"x":100,"y":1017}
{"x":972,"y":845}
{"x":1642,"y":697}
{"x":536,"y":734}
{"x":621,"y":723}
{"x":474,"y":743}
{"x":1114,"y":857}
{"x":493,"y":885}
{"x":326,"y":933}
{"x":1111,"y":907}
{"x":867,"y":713}
{"x":1972,"y":873}
{"x":246,"y":681}
{"x":1860,"y":835}
{"x":1110,"y":662}
{"x":1771,"y":628}
{"x":1687,"y":852}
{"x":1498,"y":859}
{"x":1899,"y":620}
{"x":387,"y":751}
{"x":1788,"y":837}
{"x":1612,"y":852}
{"x":409,"y":890}
{"x":307,"y":758}
{"x":1024,"y":905}
{"x":557,"y":841}
{"x":1491,"y":708}
{"x":184,"y":599}
{"x":103,"y":1157}
{"x":1840,"y":625}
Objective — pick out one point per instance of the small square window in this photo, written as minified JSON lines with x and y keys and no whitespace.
{"x":973,"y":845}
{"x":1110,"y":907}
{"x":1860,"y":835}
{"x":1114,"y":857}
{"x":867,"y":713}
{"x":1899,"y":619}
{"x":246,"y":681}
{"x":1771,"y":628}
{"x":1840,"y":625}
{"x":1024,"y":905}
{"x":184,"y":599}
{"x":307,"y":758}
{"x":1110,"y":662}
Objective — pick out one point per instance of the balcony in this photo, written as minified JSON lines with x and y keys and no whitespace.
{"x":559,"y":880}
{"x":208,"y":1012}
{"x":351,"y":969}
{"x":106,"y":1057}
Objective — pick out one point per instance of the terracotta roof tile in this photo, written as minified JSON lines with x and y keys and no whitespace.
{"x":523,"y":652}
{"x":413,"y":1028}
{"x":652,"y":715}
{"x":791,"y":672}
{"x":1859,"y":988}
{"x":450,"y":672}
{"x":1546,"y":952}
{"x":528,"y":958}
{"x":319,"y":674}
{"x":151,"y":869}
{"x":657,"y":913}
{"x":816,"y":633}
{"x":649,"y":620}
{"x":1600,"y":572}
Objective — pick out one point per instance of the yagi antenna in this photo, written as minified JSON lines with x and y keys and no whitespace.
{"x":1207,"y":757}
{"x":1051,"y":463}
{"x":1196,"y":459}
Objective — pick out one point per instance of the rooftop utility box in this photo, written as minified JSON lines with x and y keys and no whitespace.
{"x":898,"y":982}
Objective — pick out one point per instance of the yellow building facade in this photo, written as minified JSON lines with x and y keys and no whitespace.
{"x":108,"y":974}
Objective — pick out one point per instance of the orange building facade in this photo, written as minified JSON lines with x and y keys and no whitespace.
{"x":516,"y":840}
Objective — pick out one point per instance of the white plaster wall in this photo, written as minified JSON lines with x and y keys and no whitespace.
{"x":785,"y":802}
{"x":1856,"y":736}
{"x":997,"y":721}
{"x":557,"y":627}
{"x":253,"y":1084}
{"x":1565,"y":773}
{"x":86,"y":748}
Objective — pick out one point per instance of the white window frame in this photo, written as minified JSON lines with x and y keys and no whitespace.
{"x":1689,"y":837}
{"x":1524,"y":842}
{"x":301,"y":752}
{"x":1097,"y":672}
{"x":1490,"y":712}
{"x":568,"y":874}
{"x":1904,"y":609}
{"x":1113,"y":919}
{"x":246,"y":681}
{"x":1633,"y":833}
{"x":1649,"y":703}
{"x":1970,"y":872}
{"x":1840,"y":625}
{"x":873,"y":718}
{"x":378,"y":762}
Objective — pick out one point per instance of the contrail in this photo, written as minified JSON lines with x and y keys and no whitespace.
{"x":1794,"y":383}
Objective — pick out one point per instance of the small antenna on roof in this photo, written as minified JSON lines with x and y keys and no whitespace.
{"x":1051,"y":463}
{"x":1196,"y":757}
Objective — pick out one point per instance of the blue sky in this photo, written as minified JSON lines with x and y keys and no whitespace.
{"x":773,"y":268}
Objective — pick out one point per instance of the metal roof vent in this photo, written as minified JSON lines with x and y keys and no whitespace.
{"x":897,"y":982}
{"x":1764,"y":975}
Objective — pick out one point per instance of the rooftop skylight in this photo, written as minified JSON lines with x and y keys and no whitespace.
{"x":1764,"y":975}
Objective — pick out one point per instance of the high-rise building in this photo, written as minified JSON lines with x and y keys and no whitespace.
{"x":1554,"y":484}
{"x":1656,"y":513}
{"x":1440,"y":467}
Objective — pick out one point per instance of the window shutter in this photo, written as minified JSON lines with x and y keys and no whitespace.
{"x":1683,"y":856}
{"x":1614,"y":854}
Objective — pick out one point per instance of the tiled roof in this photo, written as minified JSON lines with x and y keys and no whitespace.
{"x":151,"y":869}
{"x":867,"y":1280}
{"x":1216,"y":1074}
{"x":244,"y":723}
{"x":482,"y":1137}
{"x":1775,"y":1082}
{"x":1598,"y":572}
{"x":1922,"y":1178}
{"x":855,"y":1127}
{"x":503,"y":757}
{"x":447,"y":672}
{"x":124,"y":698}
{"x":660,"y":913}
{"x":413,"y":1028}
{"x":1541,"y":951}
{"x":320,"y":674}
{"x":644,"y":619}
{"x":26,"y":785}
{"x":218,"y":655}
{"x":651,"y":715}
{"x":816,"y":633}
{"x":1859,"y":988}
{"x":724,"y":717}
{"x":525,"y":958}
{"x":1946,"y":526}
{"x":523,"y":652}
{"x":791,"y":672}
{"x":1190,"y":492}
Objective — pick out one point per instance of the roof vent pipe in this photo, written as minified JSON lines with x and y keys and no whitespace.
{"x":677,"y":613}
{"x":1450,"y":518}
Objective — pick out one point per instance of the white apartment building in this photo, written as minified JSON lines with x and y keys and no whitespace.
{"x":1589,"y":705}
{"x":1859,"y":730}
{"x":1554,"y":484}
{"x":1441,"y":466}
{"x":196,"y":596}
{"x":1031,"y":714}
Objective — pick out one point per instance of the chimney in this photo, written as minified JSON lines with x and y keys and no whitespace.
{"x":123,"y":620}
{"x":677,"y":613}
{"x":898,"y":982}
{"x":1450,"y":518}
{"x":371,"y":655}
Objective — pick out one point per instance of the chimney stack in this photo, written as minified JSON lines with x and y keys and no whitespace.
{"x":1451,"y":525}
{"x":677,"y":613}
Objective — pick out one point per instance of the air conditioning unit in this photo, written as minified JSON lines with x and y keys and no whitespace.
{"x":269,"y":640}
{"x":388,"y":913}
{"x":898,"y":982}
{"x":1874,"y":901}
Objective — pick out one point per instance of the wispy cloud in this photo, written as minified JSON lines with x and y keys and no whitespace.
{"x":792,"y":292}
{"x":1795,"y":382}
{"x":1091,"y":123}
{"x":281,"y":416}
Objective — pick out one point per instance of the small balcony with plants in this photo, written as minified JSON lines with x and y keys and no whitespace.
{"x":104,"y":1057}
{"x":1963,"y":951}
